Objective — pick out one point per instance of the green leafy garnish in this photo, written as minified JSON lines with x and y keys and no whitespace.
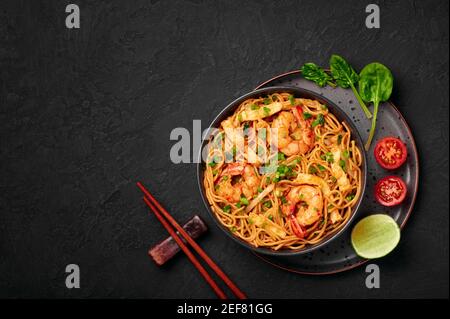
{"x":292,"y":99}
{"x":270,"y":217}
{"x":226,"y":208}
{"x":266,"y":110}
{"x":339,"y":139}
{"x":281,"y":157}
{"x":342,"y":164}
{"x":346,"y":77}
{"x":313,"y":72}
{"x":350,"y":197}
{"x":244,"y":201}
{"x":318,"y":121}
{"x":267,"y":101}
{"x":312,"y":170}
{"x":260,"y":190}
{"x":283,"y":200}
{"x":307,"y":115}
{"x":321,"y":168}
{"x":375,"y":85}
{"x":254,"y":107}
{"x":267,"y":204}
{"x":345,"y":154}
{"x":233,"y":229}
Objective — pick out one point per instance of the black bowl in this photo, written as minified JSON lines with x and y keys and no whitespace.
{"x":300,"y":93}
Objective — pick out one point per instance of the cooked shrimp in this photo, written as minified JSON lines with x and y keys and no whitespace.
{"x":295,"y":135}
{"x":310,"y":209}
{"x":248,"y":185}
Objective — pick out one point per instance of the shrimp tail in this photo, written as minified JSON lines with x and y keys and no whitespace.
{"x":296,"y":228}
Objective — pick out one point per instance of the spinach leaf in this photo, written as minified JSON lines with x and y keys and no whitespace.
{"x":315,"y":73}
{"x":375,"y":85}
{"x":346,"y":77}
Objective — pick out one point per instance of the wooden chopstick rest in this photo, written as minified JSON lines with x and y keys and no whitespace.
{"x":168,"y":248}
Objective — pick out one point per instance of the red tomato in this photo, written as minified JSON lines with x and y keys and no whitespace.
{"x":390,"y":152}
{"x":390,"y":191}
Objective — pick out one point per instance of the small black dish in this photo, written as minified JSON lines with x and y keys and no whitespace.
{"x":299,"y":93}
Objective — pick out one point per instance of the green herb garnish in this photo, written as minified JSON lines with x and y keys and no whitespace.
{"x":342,"y":164}
{"x":346,"y":77}
{"x":307,"y":115}
{"x":292,"y":99}
{"x":375,"y":85}
{"x":318,"y":121}
{"x":313,"y":72}
{"x":339,"y":139}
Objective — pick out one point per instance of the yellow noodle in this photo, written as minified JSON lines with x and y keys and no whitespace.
{"x":313,"y":162}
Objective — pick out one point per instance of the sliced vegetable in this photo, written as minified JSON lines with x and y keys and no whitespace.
{"x":375,"y":236}
{"x":375,"y":85}
{"x":346,"y":77}
{"x":250,"y":114}
{"x":260,"y":197}
{"x":390,"y":152}
{"x":390,"y":191}
{"x":267,"y":224}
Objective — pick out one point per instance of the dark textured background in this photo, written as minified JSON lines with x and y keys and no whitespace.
{"x":86,"y":113}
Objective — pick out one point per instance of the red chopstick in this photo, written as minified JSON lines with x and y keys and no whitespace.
{"x":159,"y":210}
{"x":186,"y":250}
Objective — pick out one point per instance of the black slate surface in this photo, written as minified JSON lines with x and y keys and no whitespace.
{"x":86,"y":113}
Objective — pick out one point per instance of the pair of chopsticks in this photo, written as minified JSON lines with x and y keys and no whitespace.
{"x":165,"y":218}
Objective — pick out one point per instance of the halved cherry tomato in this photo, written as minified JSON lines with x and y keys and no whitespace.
{"x":390,"y":152}
{"x":390,"y":191}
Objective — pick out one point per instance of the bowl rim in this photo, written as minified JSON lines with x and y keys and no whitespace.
{"x":342,"y":116}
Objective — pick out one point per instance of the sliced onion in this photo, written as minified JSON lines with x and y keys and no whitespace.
{"x":261,"y":195}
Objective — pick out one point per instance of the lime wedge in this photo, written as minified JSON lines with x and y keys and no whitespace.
{"x":375,"y":236}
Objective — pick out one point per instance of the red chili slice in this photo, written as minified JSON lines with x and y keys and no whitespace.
{"x":390,"y":191}
{"x":390,"y":152}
